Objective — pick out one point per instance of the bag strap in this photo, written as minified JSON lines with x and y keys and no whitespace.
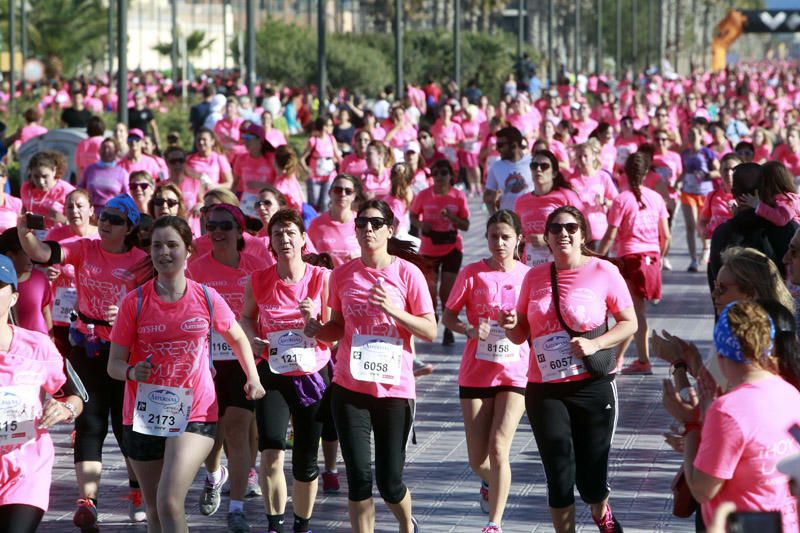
{"x":557,"y":302}
{"x":210,"y":325}
{"x":138,"y":302}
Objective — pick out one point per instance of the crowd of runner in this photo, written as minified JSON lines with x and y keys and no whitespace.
{"x":224,"y":302}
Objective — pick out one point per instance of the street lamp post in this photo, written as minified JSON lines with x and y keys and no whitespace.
{"x":174,"y":50}
{"x":12,"y":50}
{"x":398,"y":49}
{"x":110,"y":42}
{"x":251,"y":47}
{"x":122,"y":61}
{"x":457,"y":43}
{"x":322,"y":73}
{"x":599,"y":47}
{"x":577,"y":58}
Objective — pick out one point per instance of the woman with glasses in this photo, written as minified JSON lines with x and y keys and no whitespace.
{"x":191,"y":188}
{"x":333,"y":232}
{"x":255,"y":169}
{"x":355,"y":163}
{"x":668,"y":164}
{"x":664,"y":122}
{"x":136,"y":160}
{"x":167,"y":201}
{"x":493,"y":371}
{"x":378,"y":302}
{"x":428,"y":149}
{"x":627,"y":142}
{"x":319,"y":160}
{"x":571,"y":397}
{"x":224,"y":268}
{"x":207,"y":163}
{"x":105,"y":270}
{"x":594,"y":187}
{"x":105,"y":178}
{"x":439,"y":212}
{"x":279,"y":302}
{"x":141,"y":186}
{"x":550,"y":190}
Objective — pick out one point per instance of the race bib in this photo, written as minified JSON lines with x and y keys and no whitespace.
{"x":376,"y":359}
{"x":221,"y":350}
{"x":161,"y":411}
{"x":469,"y":146}
{"x":19,"y":408}
{"x":64,"y":302}
{"x":450,"y":154}
{"x":325,"y":166}
{"x":536,"y":255}
{"x":248,"y":204}
{"x":497,"y":348}
{"x":291,"y":351}
{"x":554,"y":357}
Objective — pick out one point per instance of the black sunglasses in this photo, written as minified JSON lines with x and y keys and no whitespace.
{"x":375,"y":222}
{"x":114,"y":220}
{"x":264,"y":203}
{"x":175,"y":160}
{"x":161,"y":202}
{"x":142,"y":186}
{"x":225,"y":225}
{"x":555,"y":228}
{"x":344,"y":191}
{"x":540,"y":166}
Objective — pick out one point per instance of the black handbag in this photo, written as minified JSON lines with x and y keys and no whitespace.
{"x":602,"y":362}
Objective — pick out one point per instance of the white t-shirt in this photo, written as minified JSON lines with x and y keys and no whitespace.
{"x":512,"y":179}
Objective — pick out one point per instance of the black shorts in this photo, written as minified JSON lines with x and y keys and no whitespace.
{"x":472,"y":393}
{"x":450,"y":262}
{"x":150,"y":448}
{"x":229,"y":383}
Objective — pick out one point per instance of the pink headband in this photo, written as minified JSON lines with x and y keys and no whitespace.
{"x":235,"y":212}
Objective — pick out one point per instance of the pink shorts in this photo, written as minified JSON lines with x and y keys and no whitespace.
{"x":643,"y":274}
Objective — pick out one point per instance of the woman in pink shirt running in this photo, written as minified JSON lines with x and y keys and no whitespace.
{"x":493,"y":372}
{"x":254,"y":169}
{"x":355,"y":163}
{"x":594,"y":187}
{"x":319,"y":160}
{"x":378,"y":302}
{"x":333,"y":232}
{"x":44,"y":192}
{"x":10,"y":206}
{"x":160,"y":351}
{"x":376,"y":181}
{"x":208,"y":164}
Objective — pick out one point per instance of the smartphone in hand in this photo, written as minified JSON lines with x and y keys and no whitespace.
{"x":34,"y":222}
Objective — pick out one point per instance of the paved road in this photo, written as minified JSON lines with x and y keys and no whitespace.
{"x":445,"y":490}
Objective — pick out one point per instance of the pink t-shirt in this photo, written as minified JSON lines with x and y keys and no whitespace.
{"x":400,"y":211}
{"x":743,"y":446}
{"x":320,"y":157}
{"x":214,"y":166}
{"x":278,"y":303}
{"x":254,"y":173}
{"x":66,"y":278}
{"x":252,"y":245}
{"x":350,"y":285}
{"x":478,"y":288}
{"x":587,"y":295}
{"x":428,"y":206}
{"x":626,"y":147}
{"x":377,"y":185}
{"x":533,"y":212}
{"x":145,"y":163}
{"x":354,"y":165}
{"x":290,"y":188}
{"x":588,"y":189}
{"x":39,"y":202}
{"x":787,"y":207}
{"x":637,"y":227}
{"x":102,"y":278}
{"x":716,"y":210}
{"x":9,"y":212}
{"x":32,"y":363}
{"x":175,"y":334}
{"x":34,"y":296}
{"x":228,"y":281}
{"x":335,"y":238}
{"x":447,"y":138}
{"x":28,"y":132}
{"x":87,"y":152}
{"x":275,"y":137}
{"x":790,"y":159}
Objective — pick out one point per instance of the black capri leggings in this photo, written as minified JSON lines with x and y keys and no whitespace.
{"x":272,"y":419}
{"x":105,"y":396}
{"x":19,"y":518}
{"x":357,"y":415}
{"x":573,"y":424}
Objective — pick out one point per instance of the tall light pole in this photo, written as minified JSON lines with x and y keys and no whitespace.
{"x":577,"y":58}
{"x":551,"y":68}
{"x":23,"y":29}
{"x":173,"y":54}
{"x":122,"y":61}
{"x":12,"y":50}
{"x":251,"y":47}
{"x":110,"y":42}
{"x":457,"y":43}
{"x":635,"y":34}
{"x":322,"y":71}
{"x":520,"y":32}
{"x":599,"y":48}
{"x":618,"y":59}
{"x":398,"y":49}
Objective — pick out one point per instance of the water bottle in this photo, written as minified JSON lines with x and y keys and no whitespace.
{"x":92,"y":342}
{"x":508,"y":298}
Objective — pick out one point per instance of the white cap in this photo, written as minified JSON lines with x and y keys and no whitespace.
{"x":412,"y":146}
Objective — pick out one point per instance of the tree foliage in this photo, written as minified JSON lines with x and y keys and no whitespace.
{"x":196,"y":45}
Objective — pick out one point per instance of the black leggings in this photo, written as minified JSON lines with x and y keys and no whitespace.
{"x":105,"y":396}
{"x":358,"y":415}
{"x":19,"y":518}
{"x":272,"y":418}
{"x":573,"y":424}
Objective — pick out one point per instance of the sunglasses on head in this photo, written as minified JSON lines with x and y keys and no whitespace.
{"x":344,"y":191}
{"x":224,"y":225}
{"x":555,"y":228}
{"x":161,"y":202}
{"x":375,"y":222}
{"x":114,"y":220}
{"x":540,"y":165}
{"x":143,"y":186}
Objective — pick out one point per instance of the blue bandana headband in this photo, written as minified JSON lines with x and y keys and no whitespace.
{"x":728,"y":345}
{"x":127,"y":206}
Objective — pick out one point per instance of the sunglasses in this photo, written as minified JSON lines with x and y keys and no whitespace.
{"x":555,"y":228}
{"x":114,"y":220}
{"x":540,"y":166}
{"x":376,"y":222}
{"x":161,"y":202}
{"x":177,"y":160}
{"x":140,"y":186}
{"x":265,"y":203}
{"x":344,"y":191}
{"x":225,"y":225}
{"x":442,"y":173}
{"x":662,"y":139}
{"x":134,"y":139}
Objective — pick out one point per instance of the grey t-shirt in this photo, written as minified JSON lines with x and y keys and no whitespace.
{"x":512,"y":179}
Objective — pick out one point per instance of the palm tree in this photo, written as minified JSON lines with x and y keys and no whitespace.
{"x":196,"y":44}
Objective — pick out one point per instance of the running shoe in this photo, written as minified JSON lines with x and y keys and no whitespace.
{"x":237,"y":522}
{"x":330,"y":482}
{"x":85,"y":517}
{"x":484,"y":499}
{"x":137,"y":512}
{"x":421,"y":368}
{"x":638,"y":368}
{"x":253,"y":488}
{"x":492,"y":529}
{"x":608,"y":524}
{"x":209,"y":500}
{"x":416,"y":524}
{"x":693,"y":266}
{"x":448,"y":339}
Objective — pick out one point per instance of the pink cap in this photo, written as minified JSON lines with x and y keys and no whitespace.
{"x":136,"y":132}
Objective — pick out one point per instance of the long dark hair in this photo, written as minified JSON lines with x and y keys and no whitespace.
{"x":506,"y":216}
{"x":786,"y":345}
{"x":636,"y":167}
{"x":396,"y":247}
{"x":559,"y":181}
{"x":145,"y":270}
{"x":582,"y":222}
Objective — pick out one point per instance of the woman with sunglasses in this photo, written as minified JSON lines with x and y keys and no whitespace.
{"x":105,"y":178}
{"x":279,"y":301}
{"x":160,"y":350}
{"x":191,"y":188}
{"x":141,"y":185}
{"x":255,"y":169}
{"x":378,"y":302}
{"x":439,"y":212}
{"x":224,"y":268}
{"x":167,"y":201}
{"x":594,"y":187}
{"x":571,"y":398}
{"x":44,"y":192}
{"x":208,"y":163}
{"x":493,"y":371}
{"x":333,"y":232}
{"x":355,"y":163}
{"x":105,"y":270}
{"x":550,"y":191}
{"x":136,"y":160}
